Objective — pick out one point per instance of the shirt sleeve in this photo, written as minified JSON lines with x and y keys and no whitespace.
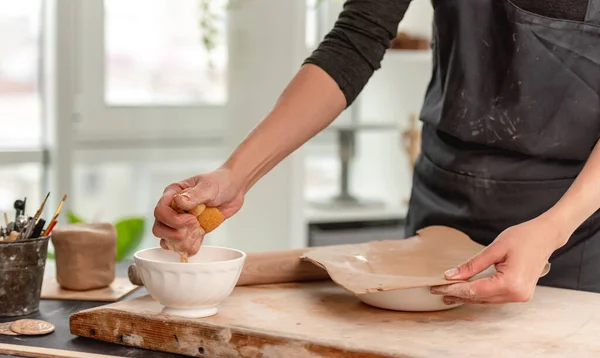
{"x":353,"y":50}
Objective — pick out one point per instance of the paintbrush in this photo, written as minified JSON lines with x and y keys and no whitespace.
{"x":37,"y":230}
{"x":50,"y":225}
{"x":32,"y":224}
{"x":39,"y":212}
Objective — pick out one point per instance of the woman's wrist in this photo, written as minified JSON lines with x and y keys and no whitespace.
{"x":563,"y":223}
{"x":239,"y":171}
{"x":250,"y":162}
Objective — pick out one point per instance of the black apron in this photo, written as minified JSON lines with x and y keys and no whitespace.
{"x":510,"y":117}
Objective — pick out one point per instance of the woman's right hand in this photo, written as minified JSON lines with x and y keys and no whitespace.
{"x":180,"y":231}
{"x":310,"y":103}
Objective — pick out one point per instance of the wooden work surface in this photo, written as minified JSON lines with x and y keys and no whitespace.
{"x":118,"y":289}
{"x":321,"y":320}
{"x":58,"y":312}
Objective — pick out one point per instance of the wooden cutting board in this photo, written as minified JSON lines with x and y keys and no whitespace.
{"x":118,"y":289}
{"x":319,"y":319}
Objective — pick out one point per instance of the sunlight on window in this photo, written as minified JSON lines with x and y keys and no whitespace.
{"x":133,"y":185}
{"x":20,"y":181}
{"x":20,"y":114}
{"x":311,"y":23}
{"x":156,"y":52}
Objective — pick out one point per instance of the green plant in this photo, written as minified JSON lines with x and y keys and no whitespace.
{"x":130,"y":232}
{"x":208,"y":27}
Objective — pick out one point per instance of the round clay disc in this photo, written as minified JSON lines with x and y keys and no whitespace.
{"x":5,"y":329}
{"x":32,"y":327}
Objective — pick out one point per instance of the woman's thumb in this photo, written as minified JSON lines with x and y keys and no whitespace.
{"x":194,"y":196}
{"x":478,"y":263}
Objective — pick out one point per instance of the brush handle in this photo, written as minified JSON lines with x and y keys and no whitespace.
{"x":39,"y":227}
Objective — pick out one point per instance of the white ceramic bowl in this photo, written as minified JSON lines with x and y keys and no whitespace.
{"x":192,"y":289}
{"x":418,"y":299}
{"x":410,"y":300}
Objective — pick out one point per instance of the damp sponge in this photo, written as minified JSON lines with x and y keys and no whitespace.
{"x":209,"y":218}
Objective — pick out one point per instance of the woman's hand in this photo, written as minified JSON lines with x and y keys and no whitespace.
{"x":215,"y":189}
{"x":520,"y":254}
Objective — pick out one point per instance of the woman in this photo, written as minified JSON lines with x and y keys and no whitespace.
{"x":511,"y":119}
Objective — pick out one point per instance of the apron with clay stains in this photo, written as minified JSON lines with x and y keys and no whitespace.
{"x":511,"y":114}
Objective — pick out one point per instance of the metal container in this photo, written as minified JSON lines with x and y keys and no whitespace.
{"x":22,"y":265}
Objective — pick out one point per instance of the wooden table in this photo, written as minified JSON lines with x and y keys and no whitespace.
{"x":321,"y":320}
{"x":58,"y":312}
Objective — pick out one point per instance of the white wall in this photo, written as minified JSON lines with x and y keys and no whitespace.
{"x":272,"y":215}
{"x":418,"y":19}
{"x":394,"y":94}
{"x":382,"y":170}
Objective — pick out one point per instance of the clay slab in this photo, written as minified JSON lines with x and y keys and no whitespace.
{"x":5,"y":329}
{"x":118,"y":289}
{"x":397,"y":274}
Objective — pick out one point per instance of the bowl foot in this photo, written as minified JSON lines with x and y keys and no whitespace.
{"x":191,"y":312}
{"x":407,"y":300}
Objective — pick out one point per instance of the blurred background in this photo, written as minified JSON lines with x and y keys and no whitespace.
{"x":110,"y":101}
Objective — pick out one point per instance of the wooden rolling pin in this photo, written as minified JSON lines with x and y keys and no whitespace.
{"x":268,"y":267}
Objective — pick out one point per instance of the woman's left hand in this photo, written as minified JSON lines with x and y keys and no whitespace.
{"x":520,"y":254}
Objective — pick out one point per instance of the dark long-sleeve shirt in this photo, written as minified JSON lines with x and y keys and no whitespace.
{"x":354,"y":48}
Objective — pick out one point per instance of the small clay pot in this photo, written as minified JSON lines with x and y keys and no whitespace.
{"x":85,"y":255}
{"x":22,"y":265}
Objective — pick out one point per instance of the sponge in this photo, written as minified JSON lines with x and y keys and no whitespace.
{"x":209,"y":218}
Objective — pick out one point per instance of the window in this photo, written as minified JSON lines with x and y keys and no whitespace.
{"x":18,"y":181}
{"x":312,"y":18}
{"x":145,"y":73}
{"x":21,"y":129}
{"x":20,"y":110}
{"x":165,"y":52}
{"x":150,"y":101}
{"x":109,"y":185}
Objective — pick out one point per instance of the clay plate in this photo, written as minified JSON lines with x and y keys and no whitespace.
{"x":398,"y":274}
{"x":32,"y":327}
{"x":5,"y":329}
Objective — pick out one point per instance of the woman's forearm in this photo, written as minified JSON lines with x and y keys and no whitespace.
{"x":311,"y":101}
{"x":581,"y":200}
{"x":330,"y":80}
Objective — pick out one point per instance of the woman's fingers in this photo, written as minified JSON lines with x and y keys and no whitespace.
{"x":201,"y":193}
{"x":500,"y":288}
{"x":181,"y":240}
{"x":163,"y":231}
{"x":163,"y":244}
{"x":164,"y":213}
{"x":197,"y":239}
{"x":477,"y":290}
{"x":476,"y":264}
{"x":451,"y":300}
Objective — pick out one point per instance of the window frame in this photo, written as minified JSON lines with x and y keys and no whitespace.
{"x":96,"y":120}
{"x":10,"y":157}
{"x":34,"y":153}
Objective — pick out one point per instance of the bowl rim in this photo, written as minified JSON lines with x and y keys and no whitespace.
{"x":241,"y":258}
